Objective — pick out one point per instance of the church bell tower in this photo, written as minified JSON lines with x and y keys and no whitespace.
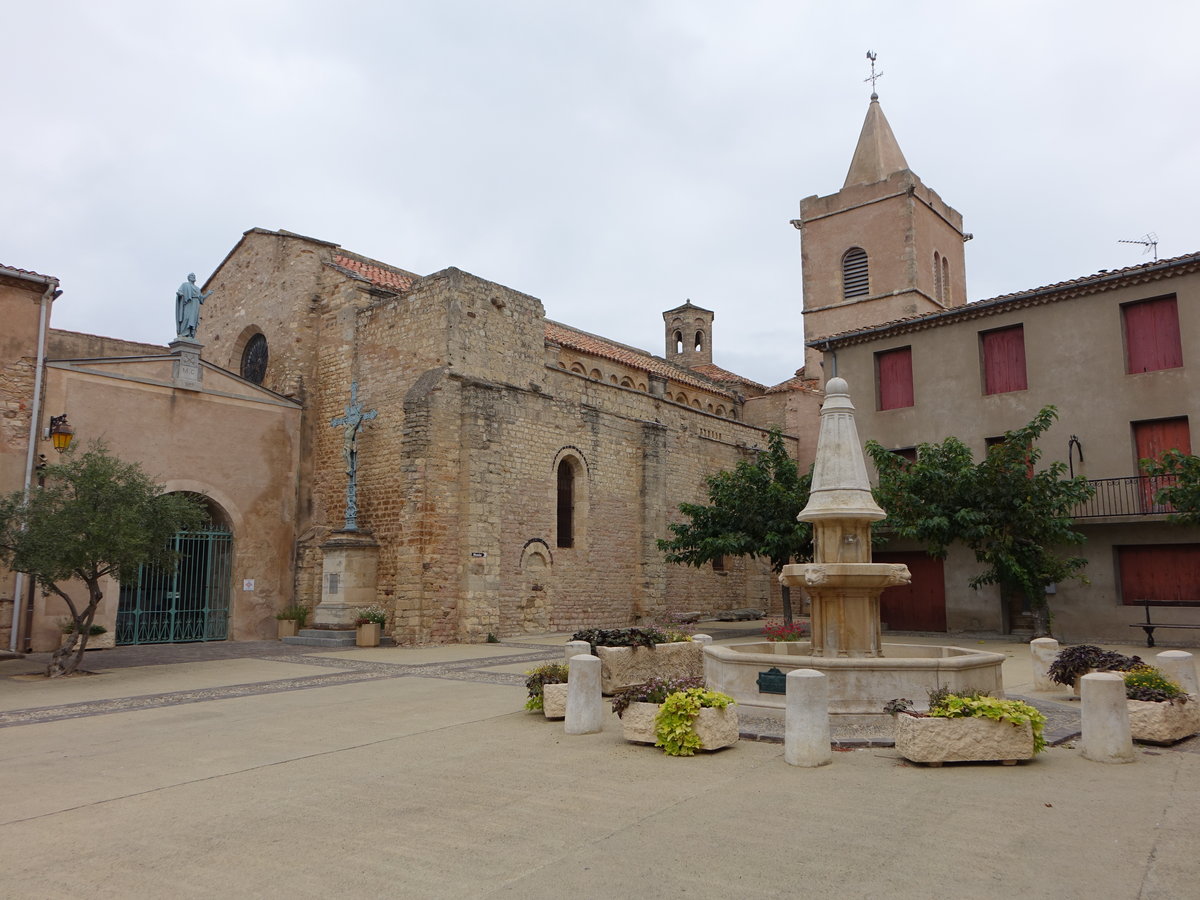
{"x":884,"y":247}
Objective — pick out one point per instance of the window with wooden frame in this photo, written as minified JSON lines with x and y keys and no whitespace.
{"x":894,"y":378}
{"x":1003,"y":353}
{"x":1152,"y":339}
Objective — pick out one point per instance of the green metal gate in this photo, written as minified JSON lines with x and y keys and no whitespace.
{"x":189,"y":603}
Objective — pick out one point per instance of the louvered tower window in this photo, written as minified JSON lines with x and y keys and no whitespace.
{"x":855,"y":282}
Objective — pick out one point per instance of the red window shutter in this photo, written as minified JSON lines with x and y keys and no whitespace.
{"x":893,"y":369}
{"x":1155,"y":437}
{"x":1163,"y":574}
{"x":1004,"y":360}
{"x":1152,"y":335}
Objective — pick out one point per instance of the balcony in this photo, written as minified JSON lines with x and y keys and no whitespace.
{"x":1132,"y":496}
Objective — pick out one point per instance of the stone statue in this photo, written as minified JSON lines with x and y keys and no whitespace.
{"x":187,"y":307}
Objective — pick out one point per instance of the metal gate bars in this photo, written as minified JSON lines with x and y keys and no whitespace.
{"x":188,"y":603}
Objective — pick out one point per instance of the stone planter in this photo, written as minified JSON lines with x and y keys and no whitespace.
{"x":621,"y":667}
{"x":716,"y":728}
{"x":554,"y":701}
{"x":1163,"y":723}
{"x":367,"y":635}
{"x":288,"y":627}
{"x":935,"y":740}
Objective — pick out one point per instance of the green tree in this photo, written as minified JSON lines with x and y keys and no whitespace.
{"x":1015,"y":517}
{"x":94,"y":516}
{"x":751,"y":512}
{"x":1178,"y":485}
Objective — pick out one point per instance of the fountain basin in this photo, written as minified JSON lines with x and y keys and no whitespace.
{"x":858,"y":686}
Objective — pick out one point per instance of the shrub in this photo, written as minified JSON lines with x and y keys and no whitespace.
{"x":674,"y":727}
{"x":550,"y":673}
{"x":656,"y":690}
{"x":1150,"y":684}
{"x":621,"y":637}
{"x":68,"y":627}
{"x":1075,"y":661}
{"x":370,"y":615}
{"x":785,"y":631}
{"x":297,"y":614}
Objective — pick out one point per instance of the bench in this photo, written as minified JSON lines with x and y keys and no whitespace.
{"x":1149,"y":626}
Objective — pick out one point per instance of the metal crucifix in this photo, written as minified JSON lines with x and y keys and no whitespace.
{"x":874,"y":76}
{"x":352,"y":424}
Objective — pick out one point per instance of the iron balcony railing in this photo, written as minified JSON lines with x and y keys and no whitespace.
{"x":1131,"y":496}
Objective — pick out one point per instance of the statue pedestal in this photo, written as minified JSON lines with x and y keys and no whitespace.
{"x":348,"y":571}
{"x":186,"y":371}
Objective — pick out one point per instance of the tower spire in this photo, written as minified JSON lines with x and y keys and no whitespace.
{"x":877,"y":155}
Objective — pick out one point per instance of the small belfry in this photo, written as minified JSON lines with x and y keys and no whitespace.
{"x":689,"y":335}
{"x":884,"y":247}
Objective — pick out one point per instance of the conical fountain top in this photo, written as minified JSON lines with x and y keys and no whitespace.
{"x":840,"y":487}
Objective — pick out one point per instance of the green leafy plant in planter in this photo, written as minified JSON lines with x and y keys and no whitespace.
{"x":536,"y":679}
{"x":623,"y":637}
{"x":297,"y":614}
{"x":1150,"y":684}
{"x":654,"y":690}
{"x":674,"y":726}
{"x":370,"y":615}
{"x":977,"y":705}
{"x":67,"y":626}
{"x":1077,"y":661}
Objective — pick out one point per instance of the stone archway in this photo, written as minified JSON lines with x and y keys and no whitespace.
{"x":535,"y":606}
{"x":191,"y":602}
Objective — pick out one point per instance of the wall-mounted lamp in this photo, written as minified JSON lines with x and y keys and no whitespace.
{"x":60,"y":432}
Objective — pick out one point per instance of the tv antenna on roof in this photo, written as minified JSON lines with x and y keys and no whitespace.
{"x":873,"y":77}
{"x":1149,"y":241}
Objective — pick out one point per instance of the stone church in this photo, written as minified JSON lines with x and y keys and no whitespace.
{"x":512,"y":474}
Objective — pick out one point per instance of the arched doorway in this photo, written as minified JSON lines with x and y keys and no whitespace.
{"x":188,"y":603}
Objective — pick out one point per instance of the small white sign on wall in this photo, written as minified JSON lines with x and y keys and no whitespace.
{"x":247,"y":584}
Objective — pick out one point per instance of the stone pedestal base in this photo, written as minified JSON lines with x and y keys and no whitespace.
{"x":347,"y":578}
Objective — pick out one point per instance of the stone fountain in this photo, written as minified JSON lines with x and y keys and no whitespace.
{"x":846,"y":646}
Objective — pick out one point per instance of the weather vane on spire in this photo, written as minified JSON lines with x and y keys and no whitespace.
{"x":874,"y":76}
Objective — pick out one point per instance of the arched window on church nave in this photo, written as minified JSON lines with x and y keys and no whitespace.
{"x":566,"y":504}
{"x":855,"y":279}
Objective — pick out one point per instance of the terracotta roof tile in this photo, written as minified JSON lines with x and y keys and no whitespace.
{"x":583,"y":342}
{"x":376,"y":273}
{"x":724,"y":376}
{"x":797,"y":382}
{"x":13,"y":270}
{"x":1061,"y":290}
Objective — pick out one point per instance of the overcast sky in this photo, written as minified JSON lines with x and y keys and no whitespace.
{"x":612,"y":159}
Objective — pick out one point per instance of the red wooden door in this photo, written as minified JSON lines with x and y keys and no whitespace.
{"x":1151,"y":440}
{"x":921,"y":604}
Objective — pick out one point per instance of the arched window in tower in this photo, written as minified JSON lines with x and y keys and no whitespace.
{"x":855,"y":280}
{"x":937,"y":276}
{"x":254,"y":359}
{"x":699,"y":341}
{"x":566,"y":504}
{"x":679,"y":342}
{"x":946,"y":281}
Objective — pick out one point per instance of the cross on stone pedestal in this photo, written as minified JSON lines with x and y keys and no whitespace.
{"x":352,"y":423}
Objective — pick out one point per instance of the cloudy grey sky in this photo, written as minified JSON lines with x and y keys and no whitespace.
{"x":612,"y":159}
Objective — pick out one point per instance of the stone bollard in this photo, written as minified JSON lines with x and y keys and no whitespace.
{"x":1180,"y":667}
{"x":1042,"y":652}
{"x":577,"y":648}
{"x":806,"y":723}
{"x":702,"y":639}
{"x":1105,"y":736}
{"x":585,"y":704}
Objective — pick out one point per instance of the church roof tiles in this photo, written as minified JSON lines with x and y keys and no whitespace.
{"x":583,"y":342}
{"x":374,"y":272}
